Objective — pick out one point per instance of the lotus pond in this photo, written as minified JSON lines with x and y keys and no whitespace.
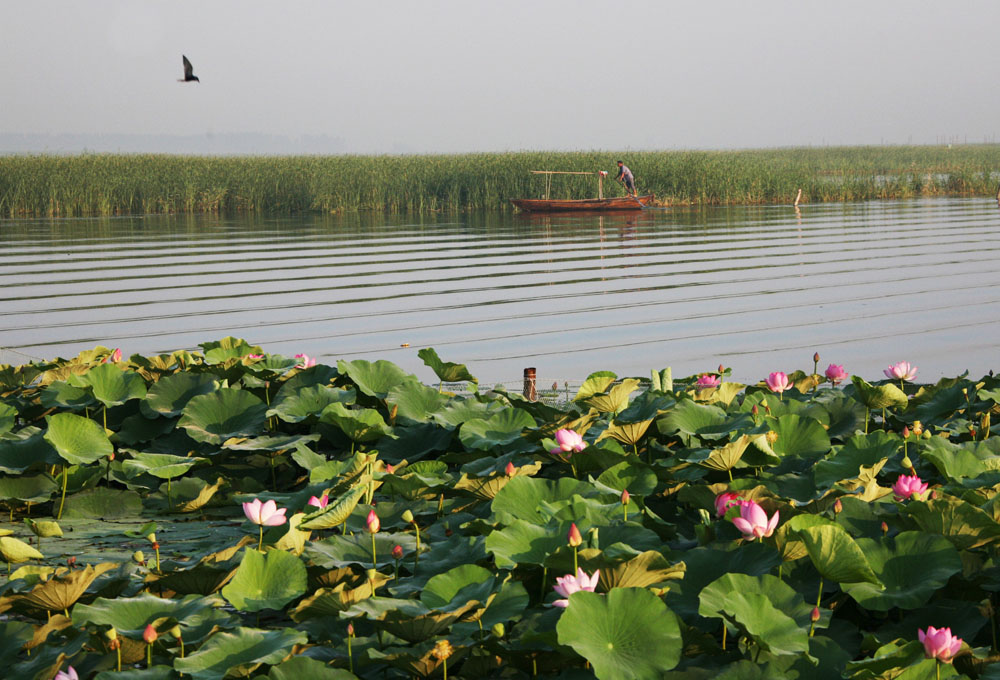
{"x":233,"y":513}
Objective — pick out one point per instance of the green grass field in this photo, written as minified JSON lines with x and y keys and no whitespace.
{"x":108,"y":184}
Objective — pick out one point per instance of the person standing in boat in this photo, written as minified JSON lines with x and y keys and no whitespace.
{"x":625,"y":177}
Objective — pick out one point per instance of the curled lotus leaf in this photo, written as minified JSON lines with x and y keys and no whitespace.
{"x":63,"y":589}
{"x":596,"y":383}
{"x":359,"y":425}
{"x":246,"y":648}
{"x":110,"y":384}
{"x":336,"y":513}
{"x":14,"y":550}
{"x":615,"y":399}
{"x":879,"y":396}
{"x":446,"y":371}
{"x":226,"y":349}
{"x":375,"y":378}
{"x":962,"y":523}
{"x":341,"y":597}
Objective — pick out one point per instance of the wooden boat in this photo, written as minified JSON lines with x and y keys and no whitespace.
{"x":600,"y":203}
{"x":557,"y":205}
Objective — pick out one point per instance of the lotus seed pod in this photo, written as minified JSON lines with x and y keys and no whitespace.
{"x":371,"y":574}
{"x":918,"y":428}
{"x":771,"y":436}
{"x":498,"y":630}
{"x":176,"y":632}
{"x":907,"y":463}
{"x":111,"y":633}
{"x":151,"y":538}
{"x":442,"y":650}
{"x":137,"y":556}
{"x":407,"y":516}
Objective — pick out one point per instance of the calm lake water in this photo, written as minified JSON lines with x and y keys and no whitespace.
{"x":756,"y":288}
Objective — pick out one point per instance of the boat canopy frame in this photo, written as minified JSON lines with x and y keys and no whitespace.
{"x":548,"y":179}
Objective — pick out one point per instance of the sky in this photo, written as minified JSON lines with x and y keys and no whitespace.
{"x":452,"y":76}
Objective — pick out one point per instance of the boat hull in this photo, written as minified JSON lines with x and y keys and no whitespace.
{"x":585,"y":204}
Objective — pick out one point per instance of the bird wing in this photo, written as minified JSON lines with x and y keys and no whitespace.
{"x":188,"y":68}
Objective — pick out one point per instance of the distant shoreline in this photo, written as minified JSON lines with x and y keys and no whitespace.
{"x":60,"y":185}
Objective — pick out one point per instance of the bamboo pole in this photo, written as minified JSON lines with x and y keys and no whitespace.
{"x":798,"y":197}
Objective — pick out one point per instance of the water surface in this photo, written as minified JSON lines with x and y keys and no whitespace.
{"x":756,"y":288}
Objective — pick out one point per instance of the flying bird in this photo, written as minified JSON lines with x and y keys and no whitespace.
{"x":188,"y":72}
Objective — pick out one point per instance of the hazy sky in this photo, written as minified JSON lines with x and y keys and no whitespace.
{"x":465,"y":75}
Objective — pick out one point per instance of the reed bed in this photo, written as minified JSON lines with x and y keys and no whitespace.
{"x":112,"y":184}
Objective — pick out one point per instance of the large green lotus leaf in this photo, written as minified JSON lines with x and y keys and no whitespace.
{"x":501,"y":428}
{"x":844,"y":415}
{"x":508,"y":605}
{"x":111,"y":385}
{"x":647,"y":406}
{"x":8,"y":415}
{"x":61,"y":394}
{"x":861,"y":450}
{"x":912,"y":565}
{"x":693,"y":421}
{"x":226,"y":413}
{"x":24,"y":448}
{"x":725,"y":458}
{"x":413,"y":442}
{"x":244,"y":648}
{"x":626,"y":433}
{"x":13,"y":634}
{"x":458,"y":586}
{"x":102,"y":502}
{"x":34,"y":488}
{"x":716,"y":600}
{"x":636,"y":477}
{"x":618,"y":569}
{"x":446,"y":371}
{"x":138,"y":428}
{"x":836,"y":556}
{"x":160,"y":465}
{"x":523,"y":543}
{"x":337,"y":512}
{"x":627,"y":634}
{"x":879,"y":396}
{"x":799,"y":436}
{"x":170,"y":394}
{"x":294,"y":407}
{"x":415,"y":403}
{"x":227,"y":348}
{"x":307,"y":668}
{"x":899,"y":660}
{"x":377,"y":378}
{"x":936,"y":404}
{"x":343,"y":551}
{"x":954,"y":461}
{"x":595,"y":383}
{"x":965,"y":525}
{"x":131,"y":615}
{"x":522,"y":496}
{"x":78,"y":440}
{"x":154,"y":673}
{"x":266,"y":581}
{"x":272,"y":443}
{"x":360,"y":425}
{"x":458,"y":411}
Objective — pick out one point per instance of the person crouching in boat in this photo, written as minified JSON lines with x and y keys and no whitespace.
{"x":625,"y":177}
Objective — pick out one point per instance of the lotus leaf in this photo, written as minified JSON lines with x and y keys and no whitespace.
{"x":62,"y":590}
{"x":25,"y":448}
{"x":799,"y":436}
{"x":226,"y":349}
{"x":523,"y":542}
{"x":342,"y":551}
{"x":360,"y":425}
{"x":245,"y":648}
{"x":376,"y":378}
{"x":78,"y":440}
{"x":499,"y":429}
{"x":522,"y":497}
{"x":336,"y":513}
{"x":305,"y":668}
{"x":637,"y":478}
{"x":446,"y":371}
{"x":595,"y":383}
{"x":14,"y":550}
{"x":168,"y":396}
{"x":836,"y":555}
{"x":34,"y":488}
{"x":628,"y":633}
{"x":61,"y":394}
{"x":103,"y":503}
{"x":331,"y":601}
{"x":965,"y":525}
{"x":223,"y":414}
{"x":460,"y":585}
{"x":266,"y":581}
{"x":111,"y":385}
{"x":161,"y":465}
{"x":626,"y":433}
{"x":662,"y":381}
{"x":307,"y":402}
{"x":879,"y":396}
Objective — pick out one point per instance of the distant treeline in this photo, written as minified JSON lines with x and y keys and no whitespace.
{"x":113,"y":184}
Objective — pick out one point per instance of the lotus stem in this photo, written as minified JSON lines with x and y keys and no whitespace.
{"x":625,"y":510}
{"x":374,"y":563}
{"x":444,"y":664}
{"x":181,"y":641}
{"x":724,"y":631}
{"x":545,"y":576}
{"x":867,"y":411}
{"x":937,"y":668}
{"x":105,"y":416}
{"x":149,"y":655}
{"x":62,"y":500}
{"x":350,"y":657}
{"x":170,"y":501}
{"x":118,"y":650}
{"x":575,"y":565}
{"x":416,"y":555}
{"x":260,"y":543}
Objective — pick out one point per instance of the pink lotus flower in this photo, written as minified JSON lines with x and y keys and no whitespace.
{"x":778,"y":382}
{"x":707,"y":380}
{"x":901,"y":371}
{"x":305,"y":361}
{"x":265,"y":514}
{"x":68,"y":674}
{"x":149,"y":634}
{"x":835,"y":373}
{"x":568,"y":440}
{"x":569,"y":584}
{"x":724,"y":501}
{"x":320,"y":502}
{"x":397,"y":552}
{"x":907,"y":485}
{"x":509,"y":469}
{"x":254,"y":356}
{"x":939,"y":643}
{"x":574,"y":538}
{"x":113,"y":358}
{"x":753,"y":522}
{"x":372,"y":523}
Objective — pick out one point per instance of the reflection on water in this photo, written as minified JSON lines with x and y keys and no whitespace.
{"x":756,"y":288}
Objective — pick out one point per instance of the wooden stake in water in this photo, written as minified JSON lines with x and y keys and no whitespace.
{"x":529,"y":385}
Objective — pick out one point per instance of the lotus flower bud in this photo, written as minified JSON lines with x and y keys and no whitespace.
{"x":816,"y":358}
{"x":885,"y":528}
{"x":111,"y":633}
{"x":150,"y":634}
{"x":71,"y":561}
{"x":407,"y":516}
{"x":397,"y":552}
{"x":722,"y":369}
{"x":137,"y":556}
{"x":510,"y":470}
{"x":906,"y":432}
{"x":390,"y":468}
{"x":838,"y":507}
{"x":350,"y":630}
{"x":814,"y":616}
{"x":754,"y":411}
{"x":498,"y":630}
{"x":918,"y":428}
{"x":372,"y":523}
{"x":907,"y":463}
{"x":625,"y":497}
{"x":984,"y":421}
{"x":934,"y":494}
{"x":111,"y":456}
{"x":176,"y":632}
{"x":574,"y":538}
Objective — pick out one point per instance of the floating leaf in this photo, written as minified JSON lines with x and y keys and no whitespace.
{"x":246,"y":647}
{"x":266,"y":581}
